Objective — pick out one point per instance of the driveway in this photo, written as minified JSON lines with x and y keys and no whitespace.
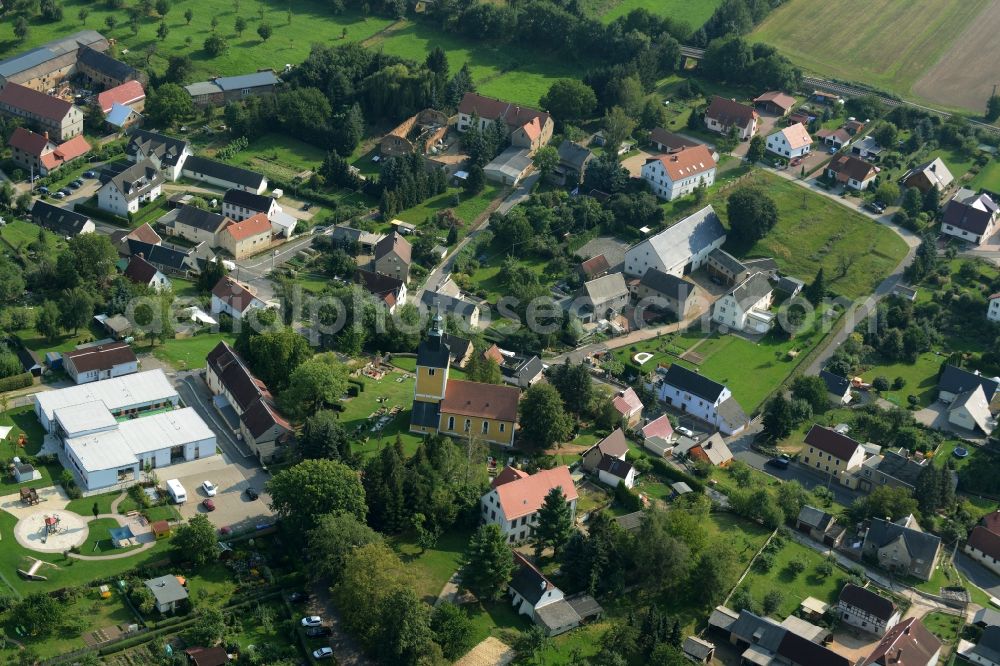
{"x":936,"y":416}
{"x":977,"y":574}
{"x":634,"y":163}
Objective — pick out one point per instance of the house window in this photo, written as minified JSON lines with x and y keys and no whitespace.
{"x":451,"y":423}
{"x":468,"y":425}
{"x":486,"y":427}
{"x":430,"y":372}
{"x":503,"y":427}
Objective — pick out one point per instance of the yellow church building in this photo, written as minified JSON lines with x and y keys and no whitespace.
{"x":456,"y":407}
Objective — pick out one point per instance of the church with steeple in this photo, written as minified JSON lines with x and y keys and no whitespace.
{"x":457,"y":407}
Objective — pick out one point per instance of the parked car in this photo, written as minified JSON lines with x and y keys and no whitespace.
{"x":875,"y":206}
{"x":323,"y":653}
{"x":832,"y":150}
{"x":781,"y":462}
{"x":42,"y":189}
{"x":685,"y":431}
{"x":252,"y":494}
{"x":312,"y":621}
{"x":90,"y":174}
{"x":59,"y":195}
{"x":210,"y":488}
{"x":306,"y":206}
{"x":74,"y":185}
{"x":796,"y":161}
{"x":209,"y":505}
{"x":297,"y":597}
{"x":316,"y":632}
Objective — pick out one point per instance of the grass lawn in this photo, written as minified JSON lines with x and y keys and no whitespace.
{"x":988,"y":177}
{"x":252,"y":631}
{"x":99,"y":540}
{"x":432,"y":568}
{"x":487,"y":276}
{"x":23,"y":420}
{"x":467,"y":210}
{"x":693,"y":13}
{"x":17,"y":233}
{"x":65,"y":342}
{"x":497,"y":70}
{"x":84,"y":506}
{"x":312,"y":22}
{"x":880,"y":42}
{"x":795,"y":587}
{"x":70,"y":572}
{"x":185,"y":288}
{"x":665,"y":349}
{"x":921,"y":379}
{"x":357,"y":410}
{"x":190,"y":353}
{"x":164,"y":512}
{"x":280,"y":156}
{"x":945,"y":626}
{"x":855,"y":252}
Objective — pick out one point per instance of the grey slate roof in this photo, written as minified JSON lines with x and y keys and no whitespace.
{"x":58,"y":220}
{"x":223,"y":171}
{"x":900,"y":467}
{"x":448,"y":304}
{"x":868,"y":601}
{"x":167,"y":148}
{"x":199,"y":219}
{"x":433,"y":351}
{"x":956,"y":380}
{"x":166,"y":589}
{"x":606,"y":288}
{"x":138,"y":179}
{"x":920,"y":545}
{"x":528,"y":581}
{"x":667,"y":284}
{"x":728,"y":261}
{"x":688,"y":237}
{"x":630,"y":522}
{"x":159,"y":255}
{"x":49,"y":51}
{"x":524,"y":371}
{"x":250,"y":200}
{"x":426,"y":414}
{"x":615,"y":467}
{"x":815,"y":518}
{"x":765,"y":264}
{"x":557,"y":614}
{"x":584,"y":605}
{"x":986,"y":617}
{"x":834,"y":383}
{"x":693,"y":383}
{"x":106,"y":65}
{"x":254,"y":80}
{"x":697,"y":648}
{"x":988,"y":646}
{"x":751,"y":290}
{"x":732,"y":412}
{"x":574,"y":155}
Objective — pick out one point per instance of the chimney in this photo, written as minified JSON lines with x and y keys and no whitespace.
{"x":46,"y":135}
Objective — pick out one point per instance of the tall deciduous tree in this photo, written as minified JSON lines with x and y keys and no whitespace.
{"x":324,"y":437}
{"x":371,"y":573}
{"x":778,"y":419}
{"x":319,"y":381}
{"x":196,"y":541}
{"x":331,"y":542}
{"x":752,"y":213}
{"x":618,"y":126}
{"x":314,"y":488}
{"x":544,"y":421}
{"x":167,"y":104}
{"x":76,"y":306}
{"x":404,"y":635}
{"x":546,"y":159}
{"x":755,"y":151}
{"x":452,"y":630}
{"x":264,"y":31}
{"x":489,"y":563}
{"x":47,"y":321}
{"x":554,"y":522}
{"x":569,"y":100}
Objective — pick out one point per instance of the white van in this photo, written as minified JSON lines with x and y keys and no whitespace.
{"x":177,"y":491}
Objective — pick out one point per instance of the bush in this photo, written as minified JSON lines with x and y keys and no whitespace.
{"x":795,"y":567}
{"x":664,"y":468}
{"x":898,"y":383}
{"x":14,"y":382}
{"x":772,"y":601}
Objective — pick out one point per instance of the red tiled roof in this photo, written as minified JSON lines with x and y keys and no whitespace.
{"x":231,"y":292}
{"x":73,"y":148}
{"x":832,"y":442}
{"x":777,"y":98}
{"x":627,"y":402}
{"x":660,"y":427}
{"x":491,"y":401}
{"x":29,"y":142}
{"x":146,"y":234}
{"x":595,"y":265}
{"x":909,"y":643}
{"x":848,"y":166}
{"x":102,"y":357}
{"x":991,"y":521}
{"x":730,"y":112}
{"x":687,"y":162}
{"x":32,"y":101}
{"x":252,"y":226}
{"x":512,"y":114}
{"x":525,"y":495}
{"x":127,"y":93}
{"x":508,"y":474}
{"x":985,"y":541}
{"x":494,"y":353}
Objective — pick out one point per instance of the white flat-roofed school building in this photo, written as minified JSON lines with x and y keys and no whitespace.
{"x":121,"y":396}
{"x":118,"y":453}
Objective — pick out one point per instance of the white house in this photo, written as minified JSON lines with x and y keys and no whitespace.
{"x":676,"y":174}
{"x":701,"y":397}
{"x":724,"y":114}
{"x":985,"y":652}
{"x":970,"y":216}
{"x":983,"y":544}
{"x":167,"y":591}
{"x":166,"y":152}
{"x":745,"y":308}
{"x":238,"y":205}
{"x":534,"y":595}
{"x":137,"y":184}
{"x":121,"y":396}
{"x":224,"y":176}
{"x":791,"y":141}
{"x":993,"y":311}
{"x":679,"y":249}
{"x":99,"y":362}
{"x":603,"y":297}
{"x":971,"y":410}
{"x":142,"y":272}
{"x":233,"y":298}
{"x":515,"y":498}
{"x":867,"y":610}
{"x":611,"y":471}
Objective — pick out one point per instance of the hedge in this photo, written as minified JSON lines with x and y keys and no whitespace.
{"x":671,"y":472}
{"x":98,"y":214}
{"x":14,"y":382}
{"x":357,"y":382}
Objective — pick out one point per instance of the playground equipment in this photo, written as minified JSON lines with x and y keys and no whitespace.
{"x":52,"y":523}
{"x":31,"y":574}
{"x":29,"y":496}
